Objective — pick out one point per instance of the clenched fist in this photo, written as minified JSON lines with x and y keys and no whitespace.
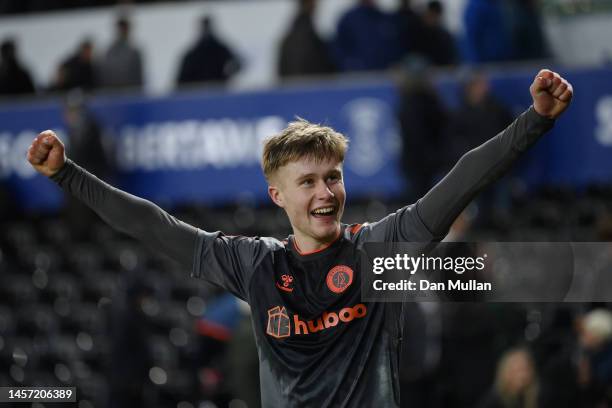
{"x":46,"y":153}
{"x":551,"y":94}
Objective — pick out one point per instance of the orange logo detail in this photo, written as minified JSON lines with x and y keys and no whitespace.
{"x":339,"y":278}
{"x":279,"y":325}
{"x":287,"y":283}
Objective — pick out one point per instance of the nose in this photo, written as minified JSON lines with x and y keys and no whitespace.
{"x":324,"y":192}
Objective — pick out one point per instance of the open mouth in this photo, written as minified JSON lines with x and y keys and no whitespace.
{"x":324,"y":211}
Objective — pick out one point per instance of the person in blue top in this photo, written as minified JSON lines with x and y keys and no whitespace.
{"x":487,"y":35}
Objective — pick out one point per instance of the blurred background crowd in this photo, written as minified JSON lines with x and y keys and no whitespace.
{"x":82,"y":305}
{"x":495,"y":31}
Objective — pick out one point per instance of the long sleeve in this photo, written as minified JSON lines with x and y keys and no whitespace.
{"x":131,"y":215}
{"x":477,"y":169}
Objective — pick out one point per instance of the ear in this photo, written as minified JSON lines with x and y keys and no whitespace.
{"x":276,"y":195}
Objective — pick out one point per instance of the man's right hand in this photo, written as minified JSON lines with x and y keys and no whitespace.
{"x":46,"y":153}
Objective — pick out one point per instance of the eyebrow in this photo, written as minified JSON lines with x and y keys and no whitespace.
{"x":308,"y":175}
{"x":305,"y":176}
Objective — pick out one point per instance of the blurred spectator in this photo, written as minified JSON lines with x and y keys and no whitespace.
{"x":302,"y":51}
{"x":487,"y":37}
{"x":595,"y":364}
{"x":243,"y":363}
{"x":129,"y":334}
{"x":410,"y":26}
{"x":604,"y":227}
{"x":7,"y":205}
{"x":439,"y":48}
{"x":217,"y":328}
{"x":84,"y":146}
{"x":420,"y":355}
{"x":423,"y":120}
{"x":555,"y":351}
{"x":14,"y":78}
{"x":474,"y":336}
{"x":209,"y":59}
{"x":78,"y":70}
{"x":84,"y":136}
{"x":516,"y":383}
{"x":528,"y":40}
{"x":367,"y":38}
{"x":479,"y":117}
{"x":121,"y":67}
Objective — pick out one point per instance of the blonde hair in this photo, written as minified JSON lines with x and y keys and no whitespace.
{"x":529,"y":396}
{"x":302,"y":139}
{"x":598,"y":322}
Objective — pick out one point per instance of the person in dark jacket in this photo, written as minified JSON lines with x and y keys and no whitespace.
{"x":78,"y":70}
{"x":410,"y":25}
{"x":14,"y":78}
{"x":302,"y":51}
{"x":479,"y":115}
{"x":423,"y":121}
{"x":529,"y":42}
{"x":209,"y":59}
{"x":439,"y":47}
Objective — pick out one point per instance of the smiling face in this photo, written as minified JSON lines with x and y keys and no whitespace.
{"x":312,"y":194}
{"x":303,"y":167}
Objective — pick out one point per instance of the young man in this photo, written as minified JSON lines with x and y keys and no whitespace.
{"x":319,"y":344}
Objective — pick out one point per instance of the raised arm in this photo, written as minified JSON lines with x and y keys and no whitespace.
{"x":129,"y":214}
{"x":485,"y":164}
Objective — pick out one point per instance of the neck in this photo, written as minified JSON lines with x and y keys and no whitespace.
{"x":306,"y":245}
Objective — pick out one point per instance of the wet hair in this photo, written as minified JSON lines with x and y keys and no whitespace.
{"x":302,"y":139}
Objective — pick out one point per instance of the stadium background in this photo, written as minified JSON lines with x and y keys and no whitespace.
{"x":83,"y":305}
